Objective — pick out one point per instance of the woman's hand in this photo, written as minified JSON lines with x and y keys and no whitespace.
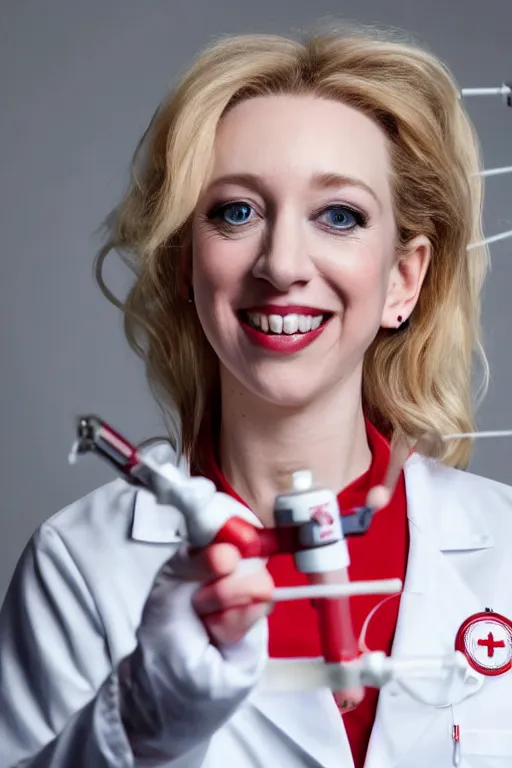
{"x":201,"y":649}
{"x":231,"y":601}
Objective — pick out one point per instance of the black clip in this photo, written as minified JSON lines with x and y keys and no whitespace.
{"x":358,"y":522}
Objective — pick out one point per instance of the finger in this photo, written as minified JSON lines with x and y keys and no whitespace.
{"x":212,"y":562}
{"x":233,"y":591}
{"x":230,"y":626}
{"x":378,"y":497}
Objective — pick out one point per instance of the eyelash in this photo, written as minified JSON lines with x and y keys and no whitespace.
{"x":216,"y":215}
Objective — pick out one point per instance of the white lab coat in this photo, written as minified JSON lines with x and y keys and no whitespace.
{"x":76,"y":599}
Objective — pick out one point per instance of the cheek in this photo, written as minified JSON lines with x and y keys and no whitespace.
{"x":210,"y":266}
{"x":218,"y":274}
{"x":219,"y":264}
{"x":358,"y":272}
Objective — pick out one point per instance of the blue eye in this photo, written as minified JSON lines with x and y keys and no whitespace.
{"x":235,"y":213}
{"x":342,"y":218}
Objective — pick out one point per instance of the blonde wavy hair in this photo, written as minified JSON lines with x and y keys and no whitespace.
{"x":415,"y":380}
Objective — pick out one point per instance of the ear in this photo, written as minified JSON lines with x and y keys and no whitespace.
{"x":405,"y":282}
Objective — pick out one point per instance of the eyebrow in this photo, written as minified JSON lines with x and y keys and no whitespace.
{"x":323,"y":180}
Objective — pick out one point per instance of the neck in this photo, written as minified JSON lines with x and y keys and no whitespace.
{"x":262,"y":444}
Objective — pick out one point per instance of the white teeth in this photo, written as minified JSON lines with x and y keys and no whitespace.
{"x":287,"y":324}
{"x":290,"y":324}
{"x":276,"y":323}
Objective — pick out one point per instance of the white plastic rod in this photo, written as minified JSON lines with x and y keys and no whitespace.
{"x":310,"y":592}
{"x":374,"y":668}
{"x":495,"y":171}
{"x":503,"y":90}
{"x":475,"y":435}
{"x":289,"y":675}
{"x":488,"y":240}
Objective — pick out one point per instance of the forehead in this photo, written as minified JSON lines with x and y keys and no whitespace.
{"x":298,"y":137}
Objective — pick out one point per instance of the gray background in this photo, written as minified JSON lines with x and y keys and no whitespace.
{"x":78,"y":83}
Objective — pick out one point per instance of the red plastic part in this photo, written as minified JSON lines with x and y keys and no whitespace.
{"x":337,"y":638}
{"x":258,"y":542}
{"x":250,"y":541}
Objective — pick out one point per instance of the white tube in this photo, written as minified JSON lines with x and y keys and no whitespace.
{"x":488,"y":240}
{"x":495,"y":171}
{"x":503,"y":90}
{"x":286,"y":675}
{"x":313,"y":591}
{"x":375,"y":669}
{"x":474,"y":435}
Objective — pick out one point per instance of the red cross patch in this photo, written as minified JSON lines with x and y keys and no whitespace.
{"x":485,"y":639}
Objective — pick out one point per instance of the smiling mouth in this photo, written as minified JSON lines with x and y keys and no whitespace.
{"x":284,"y":325}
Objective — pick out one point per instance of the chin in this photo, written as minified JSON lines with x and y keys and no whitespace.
{"x":296,"y":387}
{"x":292,"y":395}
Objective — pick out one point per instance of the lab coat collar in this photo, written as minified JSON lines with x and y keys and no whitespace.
{"x":153,"y":522}
{"x":156,"y":523}
{"x":451,"y":526}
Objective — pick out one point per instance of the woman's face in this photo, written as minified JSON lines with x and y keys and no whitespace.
{"x":294,"y":262}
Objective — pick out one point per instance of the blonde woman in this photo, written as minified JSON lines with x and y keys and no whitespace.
{"x":298,"y":221}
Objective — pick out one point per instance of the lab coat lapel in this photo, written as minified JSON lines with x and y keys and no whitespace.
{"x":310,"y":722}
{"x":434,"y":603}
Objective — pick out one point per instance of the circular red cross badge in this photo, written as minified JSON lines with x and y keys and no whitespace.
{"x":485,"y":639}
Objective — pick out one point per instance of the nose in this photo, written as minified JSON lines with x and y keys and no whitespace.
{"x":284,"y":259}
